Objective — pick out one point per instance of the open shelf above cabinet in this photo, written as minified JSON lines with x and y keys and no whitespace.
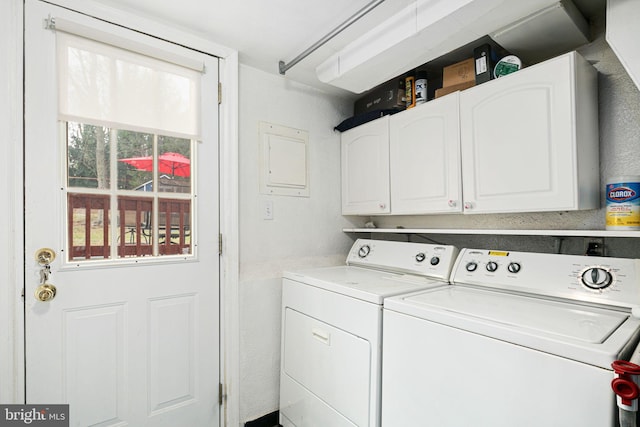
{"x":556,"y":233}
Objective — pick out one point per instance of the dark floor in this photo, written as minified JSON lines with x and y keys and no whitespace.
{"x":269,"y":420}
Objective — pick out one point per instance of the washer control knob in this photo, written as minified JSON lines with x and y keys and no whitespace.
{"x":492,"y":266}
{"x":364,"y":251}
{"x":596,"y":278}
{"x":471,"y":266}
{"x":420,"y":257}
{"x":435,"y":260}
{"x":514,"y":267}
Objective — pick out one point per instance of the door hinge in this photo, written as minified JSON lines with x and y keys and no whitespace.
{"x":220,"y":244}
{"x":221,"y":395}
{"x":219,"y":93}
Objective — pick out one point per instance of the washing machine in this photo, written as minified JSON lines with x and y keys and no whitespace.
{"x":517,"y":339}
{"x":332,"y":329}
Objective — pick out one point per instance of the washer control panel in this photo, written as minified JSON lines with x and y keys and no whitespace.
{"x":423,"y":259}
{"x":603,"y":280}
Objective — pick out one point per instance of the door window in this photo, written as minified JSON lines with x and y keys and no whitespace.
{"x":130,"y":123}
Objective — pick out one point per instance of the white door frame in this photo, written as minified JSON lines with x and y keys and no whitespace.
{"x":11,"y":212}
{"x":12,"y":369}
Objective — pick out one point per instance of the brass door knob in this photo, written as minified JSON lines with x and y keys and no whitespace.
{"x":45,"y":292}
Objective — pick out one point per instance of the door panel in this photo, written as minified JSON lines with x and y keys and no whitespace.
{"x":96,"y":334}
{"x":130,"y":341}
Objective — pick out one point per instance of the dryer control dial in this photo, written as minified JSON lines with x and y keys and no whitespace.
{"x":596,"y":278}
{"x":420,"y":257}
{"x":364,"y":251}
{"x":492,"y":266}
{"x":471,"y":266}
{"x":435,"y":260}
{"x":514,"y":267}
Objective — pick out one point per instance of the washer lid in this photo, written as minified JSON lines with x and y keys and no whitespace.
{"x":584,"y":333}
{"x":362,"y":283}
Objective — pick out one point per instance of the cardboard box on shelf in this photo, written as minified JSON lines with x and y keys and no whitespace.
{"x":458,"y":73}
{"x":449,"y":89}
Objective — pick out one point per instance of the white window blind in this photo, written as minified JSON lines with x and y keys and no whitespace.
{"x":108,"y":86}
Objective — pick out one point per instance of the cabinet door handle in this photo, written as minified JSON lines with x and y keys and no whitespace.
{"x":452,"y":203}
{"x":382,"y":205}
{"x":468,"y":205}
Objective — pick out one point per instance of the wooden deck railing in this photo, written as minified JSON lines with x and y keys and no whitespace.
{"x":89,"y":234}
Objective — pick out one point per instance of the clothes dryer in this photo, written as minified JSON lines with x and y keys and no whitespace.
{"x":332,"y":329}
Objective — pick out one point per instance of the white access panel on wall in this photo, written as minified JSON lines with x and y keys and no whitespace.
{"x":284,"y":160}
{"x":425,"y":158}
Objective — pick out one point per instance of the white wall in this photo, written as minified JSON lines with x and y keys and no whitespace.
{"x":10,"y":200}
{"x":305,"y":232}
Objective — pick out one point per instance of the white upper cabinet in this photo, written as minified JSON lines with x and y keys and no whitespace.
{"x":530,"y":139}
{"x":425,"y":158}
{"x":527,"y":142}
{"x":365,"y":169}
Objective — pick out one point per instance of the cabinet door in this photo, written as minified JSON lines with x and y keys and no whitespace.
{"x":518,"y":138}
{"x":425,"y":158}
{"x":365,"y":169}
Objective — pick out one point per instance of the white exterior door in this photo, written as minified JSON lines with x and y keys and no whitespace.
{"x":132,"y":334}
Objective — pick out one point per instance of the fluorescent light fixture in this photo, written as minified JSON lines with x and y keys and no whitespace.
{"x":423,"y":31}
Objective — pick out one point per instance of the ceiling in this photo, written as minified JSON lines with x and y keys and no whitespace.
{"x":265,"y":32}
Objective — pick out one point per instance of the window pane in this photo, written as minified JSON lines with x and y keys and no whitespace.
{"x":88,"y":150}
{"x":135,"y":231}
{"x":174,"y":165}
{"x":135,"y":160}
{"x":88,"y":226}
{"x":174,"y":226}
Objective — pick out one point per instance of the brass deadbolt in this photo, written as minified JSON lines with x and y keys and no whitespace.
{"x":45,"y":256}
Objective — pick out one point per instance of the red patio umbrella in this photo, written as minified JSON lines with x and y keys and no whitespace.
{"x":174,"y":164}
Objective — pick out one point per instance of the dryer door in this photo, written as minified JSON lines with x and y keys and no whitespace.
{"x":325,"y":373}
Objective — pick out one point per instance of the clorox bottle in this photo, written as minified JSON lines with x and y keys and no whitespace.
{"x":623,"y":203}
